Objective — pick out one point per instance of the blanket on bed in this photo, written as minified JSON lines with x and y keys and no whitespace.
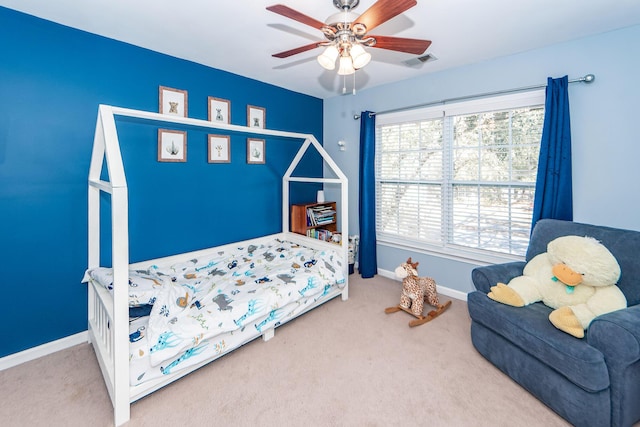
{"x":254,"y":286}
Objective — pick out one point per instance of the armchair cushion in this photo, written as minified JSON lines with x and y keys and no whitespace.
{"x":531,"y":331}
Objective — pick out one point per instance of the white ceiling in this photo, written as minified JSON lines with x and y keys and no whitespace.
{"x":240,"y":36}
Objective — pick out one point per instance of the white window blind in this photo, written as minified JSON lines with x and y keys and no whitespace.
{"x":460,"y":177}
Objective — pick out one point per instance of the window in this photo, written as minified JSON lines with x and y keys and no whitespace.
{"x":459,"y":179}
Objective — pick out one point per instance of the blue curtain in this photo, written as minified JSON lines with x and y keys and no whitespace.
{"x":367,"y":258}
{"x":554,"y":195}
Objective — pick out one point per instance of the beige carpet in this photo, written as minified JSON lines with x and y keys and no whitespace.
{"x":342,"y":364}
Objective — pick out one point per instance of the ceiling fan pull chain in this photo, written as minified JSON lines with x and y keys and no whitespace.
{"x":354,"y":83}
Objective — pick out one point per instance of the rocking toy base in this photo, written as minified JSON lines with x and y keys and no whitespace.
{"x":420,"y":319}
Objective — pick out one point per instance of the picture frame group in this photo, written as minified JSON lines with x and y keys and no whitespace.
{"x":172,"y":144}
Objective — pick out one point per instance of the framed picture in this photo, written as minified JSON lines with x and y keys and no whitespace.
{"x":173,"y":101}
{"x":256,"y":117}
{"x":172,"y":145}
{"x":219,"y":110}
{"x":219,"y":149}
{"x":255,"y":151}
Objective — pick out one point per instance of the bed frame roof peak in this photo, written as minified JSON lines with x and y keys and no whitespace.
{"x":106,"y":147}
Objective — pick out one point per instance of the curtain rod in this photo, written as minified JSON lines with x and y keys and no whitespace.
{"x":586,"y":79}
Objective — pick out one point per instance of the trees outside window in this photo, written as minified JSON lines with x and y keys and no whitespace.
{"x":460,"y":178}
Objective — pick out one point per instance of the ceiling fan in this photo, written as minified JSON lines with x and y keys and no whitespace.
{"x":347,"y":33}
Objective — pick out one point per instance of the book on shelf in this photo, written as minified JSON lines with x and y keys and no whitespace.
{"x":325,"y":222}
{"x":320,"y":215}
{"x":311,"y":218}
{"x":320,"y":234}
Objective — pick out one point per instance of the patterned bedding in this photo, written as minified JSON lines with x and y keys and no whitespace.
{"x":195,"y":301}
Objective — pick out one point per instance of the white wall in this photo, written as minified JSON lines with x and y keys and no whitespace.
{"x":606,"y":146}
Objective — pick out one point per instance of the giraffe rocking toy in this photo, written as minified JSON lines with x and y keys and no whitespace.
{"x":415,"y":291}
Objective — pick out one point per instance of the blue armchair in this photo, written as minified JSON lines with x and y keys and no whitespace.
{"x":594,"y":381}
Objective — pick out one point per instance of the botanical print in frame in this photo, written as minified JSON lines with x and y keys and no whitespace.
{"x":256,"y":117}
{"x":219,"y":110}
{"x":173,"y":101}
{"x":219,"y":149}
{"x":172,"y":145}
{"x":255,"y":151}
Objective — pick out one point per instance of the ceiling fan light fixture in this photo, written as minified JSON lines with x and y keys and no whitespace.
{"x":346,"y":34}
{"x":346,"y":66}
{"x":359,"y":56}
{"x":328,"y":58}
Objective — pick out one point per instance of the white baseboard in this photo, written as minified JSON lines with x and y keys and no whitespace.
{"x":42,"y":350}
{"x":441,"y":289}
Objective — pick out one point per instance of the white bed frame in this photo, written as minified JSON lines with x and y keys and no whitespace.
{"x":109,"y":314}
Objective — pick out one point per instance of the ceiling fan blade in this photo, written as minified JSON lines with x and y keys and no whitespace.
{"x":415,"y":46}
{"x":286,"y":11}
{"x":297,"y":50}
{"x":382,"y":11}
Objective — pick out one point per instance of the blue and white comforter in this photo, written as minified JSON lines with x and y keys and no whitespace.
{"x":247,"y":287}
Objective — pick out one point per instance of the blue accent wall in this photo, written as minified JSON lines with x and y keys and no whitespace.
{"x":52,"y":79}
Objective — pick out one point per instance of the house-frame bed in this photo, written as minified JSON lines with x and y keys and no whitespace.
{"x":108,"y":315}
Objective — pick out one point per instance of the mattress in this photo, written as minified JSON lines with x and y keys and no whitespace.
{"x":200,"y":305}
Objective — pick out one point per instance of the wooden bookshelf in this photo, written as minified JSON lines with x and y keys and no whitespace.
{"x":316,"y":220}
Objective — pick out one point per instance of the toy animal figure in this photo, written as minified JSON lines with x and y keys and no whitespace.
{"x":415,"y":291}
{"x":576,"y":277}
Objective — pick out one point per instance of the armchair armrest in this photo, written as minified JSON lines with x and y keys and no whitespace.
{"x":617,"y":336}
{"x":485,"y":277}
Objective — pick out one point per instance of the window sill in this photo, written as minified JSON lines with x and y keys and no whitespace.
{"x":468,"y":256}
